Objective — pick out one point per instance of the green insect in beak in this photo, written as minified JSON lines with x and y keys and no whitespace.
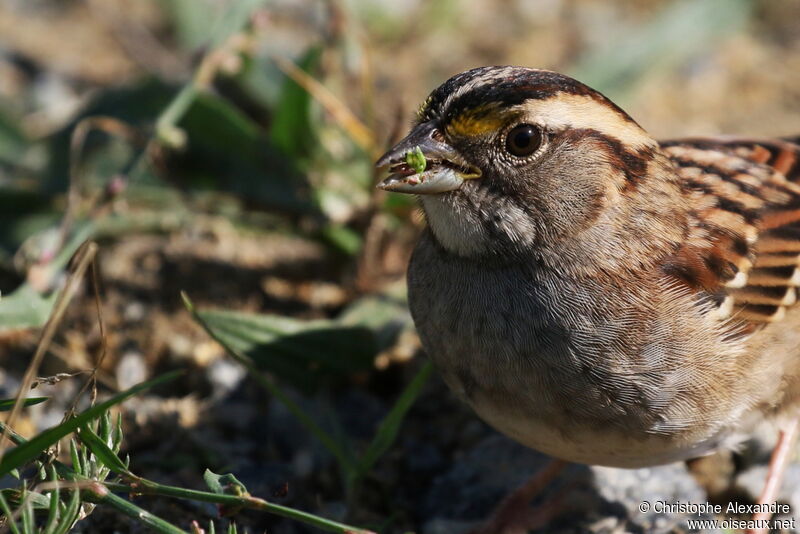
{"x":416,"y":160}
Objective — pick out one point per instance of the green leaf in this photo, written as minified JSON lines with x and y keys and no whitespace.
{"x":8,"y":404}
{"x":233,"y":130}
{"x":213,"y":481}
{"x":343,"y":238}
{"x":384,"y":313}
{"x":22,"y":454}
{"x":102,"y":451}
{"x":292,"y":127}
{"x":304,"y":353}
{"x":228,"y":151}
{"x":15,"y":497}
{"x":25,"y":308}
{"x":226,"y":484}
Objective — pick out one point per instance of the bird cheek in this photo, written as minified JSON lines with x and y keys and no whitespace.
{"x":570,"y":201}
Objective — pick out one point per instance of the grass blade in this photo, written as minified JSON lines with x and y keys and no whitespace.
{"x":10,"y":522}
{"x":27,"y":513}
{"x":55,"y":498}
{"x":390,"y":426}
{"x":27,"y":452}
{"x":8,"y":404}
{"x":140,"y":515}
{"x":102,"y":451}
{"x":75,"y":457}
{"x":70,"y":513}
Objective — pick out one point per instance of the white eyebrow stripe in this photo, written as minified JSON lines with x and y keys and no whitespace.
{"x":565,"y":110}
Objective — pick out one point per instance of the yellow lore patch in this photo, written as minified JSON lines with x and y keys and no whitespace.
{"x":476,"y":122}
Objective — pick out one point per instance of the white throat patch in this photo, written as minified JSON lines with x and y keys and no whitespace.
{"x":457,"y":230}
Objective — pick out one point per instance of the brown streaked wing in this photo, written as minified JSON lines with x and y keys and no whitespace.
{"x":743,"y":247}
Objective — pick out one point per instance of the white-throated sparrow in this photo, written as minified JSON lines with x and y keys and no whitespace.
{"x":593,"y":293}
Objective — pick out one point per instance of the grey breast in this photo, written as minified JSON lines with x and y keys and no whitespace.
{"x":542,"y":345}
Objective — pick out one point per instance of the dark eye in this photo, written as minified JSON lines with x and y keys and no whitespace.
{"x":523,"y":140}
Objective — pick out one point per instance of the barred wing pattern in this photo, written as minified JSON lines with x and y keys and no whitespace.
{"x":743,"y":248}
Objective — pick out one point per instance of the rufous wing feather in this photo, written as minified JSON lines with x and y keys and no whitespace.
{"x":743,"y":247}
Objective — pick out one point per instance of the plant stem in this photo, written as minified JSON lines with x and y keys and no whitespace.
{"x":141,"y":486}
{"x":101,"y":495}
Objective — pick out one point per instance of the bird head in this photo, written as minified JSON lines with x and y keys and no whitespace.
{"x":511,"y":159}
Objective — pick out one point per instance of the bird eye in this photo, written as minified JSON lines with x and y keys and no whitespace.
{"x":523,"y":140}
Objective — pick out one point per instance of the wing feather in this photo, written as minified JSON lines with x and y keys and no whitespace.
{"x":744,"y":243}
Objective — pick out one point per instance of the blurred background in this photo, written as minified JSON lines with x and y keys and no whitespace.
{"x":224,"y":149}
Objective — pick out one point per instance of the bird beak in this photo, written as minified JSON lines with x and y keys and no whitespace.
{"x":421,"y":164}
